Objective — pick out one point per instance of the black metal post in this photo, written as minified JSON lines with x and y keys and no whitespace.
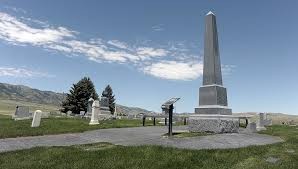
{"x":166,"y":123}
{"x":171,"y":107}
{"x":154,"y":121}
{"x":144,"y":119}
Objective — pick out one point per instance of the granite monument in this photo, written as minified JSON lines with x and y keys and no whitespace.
{"x":105,"y":112}
{"x":213,"y":113}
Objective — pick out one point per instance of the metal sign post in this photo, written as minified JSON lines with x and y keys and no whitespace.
{"x":167,"y":108}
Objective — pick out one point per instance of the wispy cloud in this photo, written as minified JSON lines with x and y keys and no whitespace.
{"x":118,"y":44}
{"x":151,"y":52}
{"x":158,"y":28}
{"x":171,"y":61}
{"x":18,"y":10}
{"x":175,"y":70}
{"x":21,"y":73}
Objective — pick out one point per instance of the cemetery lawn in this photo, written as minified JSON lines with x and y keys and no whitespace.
{"x":10,"y":128}
{"x":108,"y":156}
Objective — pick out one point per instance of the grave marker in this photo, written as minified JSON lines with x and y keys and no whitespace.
{"x":95,"y":113}
{"x":36,"y":118}
{"x":22,"y":113}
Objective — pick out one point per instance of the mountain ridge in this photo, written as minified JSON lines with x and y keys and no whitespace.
{"x":28,"y":94}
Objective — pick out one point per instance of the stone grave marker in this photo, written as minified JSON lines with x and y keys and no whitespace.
{"x":105,"y":112}
{"x":261,"y":122}
{"x":36,"y":118}
{"x":22,"y":113}
{"x":251,"y":127}
{"x":82,"y":113}
{"x":95,"y":113}
{"x":89,"y":108}
{"x":69,"y":113}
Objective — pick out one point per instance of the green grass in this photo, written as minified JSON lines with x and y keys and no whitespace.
{"x":108,"y":156}
{"x":10,"y":128}
{"x":7,"y":107}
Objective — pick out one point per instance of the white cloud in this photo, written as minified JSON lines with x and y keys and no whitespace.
{"x":12,"y":30}
{"x":174,"y":70}
{"x":118,"y":44}
{"x":21,"y":72}
{"x":181,"y":64}
{"x":18,"y":10}
{"x":158,"y":28}
{"x":151,"y":52}
{"x":61,"y":39}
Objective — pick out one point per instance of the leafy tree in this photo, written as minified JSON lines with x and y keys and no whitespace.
{"x":79,"y":94}
{"x":108,"y":92}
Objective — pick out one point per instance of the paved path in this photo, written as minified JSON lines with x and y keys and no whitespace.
{"x":139,"y":136}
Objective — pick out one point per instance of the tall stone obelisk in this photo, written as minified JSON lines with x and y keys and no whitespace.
{"x":213,"y":114}
{"x":213,"y":96}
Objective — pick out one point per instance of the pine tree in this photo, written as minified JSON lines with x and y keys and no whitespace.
{"x":108,"y":92}
{"x":79,"y":94}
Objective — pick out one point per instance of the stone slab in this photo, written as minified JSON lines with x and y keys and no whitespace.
{"x":22,"y":113}
{"x":213,"y":110}
{"x":213,"y":123}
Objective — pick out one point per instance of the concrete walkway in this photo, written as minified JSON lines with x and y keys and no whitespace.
{"x":139,"y":136}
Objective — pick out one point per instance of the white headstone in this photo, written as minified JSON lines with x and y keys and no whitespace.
{"x":69,"y":113}
{"x":36,"y":118}
{"x":95,"y":112}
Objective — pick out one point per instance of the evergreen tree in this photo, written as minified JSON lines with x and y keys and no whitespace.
{"x":79,"y":94}
{"x":108,"y":92}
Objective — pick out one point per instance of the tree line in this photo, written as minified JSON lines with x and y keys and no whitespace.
{"x":79,"y":94}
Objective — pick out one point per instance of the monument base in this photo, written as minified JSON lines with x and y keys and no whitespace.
{"x":93,"y":122}
{"x":22,"y":118}
{"x":105,"y":114}
{"x":261,"y":128}
{"x":213,"y":123}
{"x":223,"y":110}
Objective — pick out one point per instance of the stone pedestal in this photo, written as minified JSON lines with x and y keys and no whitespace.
{"x":213,"y":123}
{"x":105,"y":113}
{"x":220,"y":110}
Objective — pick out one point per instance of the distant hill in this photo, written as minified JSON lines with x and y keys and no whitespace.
{"x":277,"y":118}
{"x":25,"y":93}
{"x":20,"y":93}
{"x":131,"y":110}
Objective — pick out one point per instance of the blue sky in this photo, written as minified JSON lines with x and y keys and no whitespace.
{"x":150,"y":51}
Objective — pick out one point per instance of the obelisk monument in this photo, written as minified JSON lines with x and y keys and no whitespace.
{"x":213,"y":114}
{"x":213,"y":96}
